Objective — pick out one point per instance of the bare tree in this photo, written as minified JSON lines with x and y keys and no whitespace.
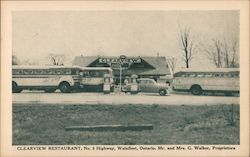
{"x":56,"y":59}
{"x":226,"y":54}
{"x":187,"y":46}
{"x":234,"y":61}
{"x":215,"y":52}
{"x":172,"y":63}
{"x":223,"y":54}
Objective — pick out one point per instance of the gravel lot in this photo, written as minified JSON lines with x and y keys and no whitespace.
{"x":120,"y":98}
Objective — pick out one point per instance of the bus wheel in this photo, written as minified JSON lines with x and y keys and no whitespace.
{"x":64,"y":87}
{"x":15,"y":88}
{"x":49,"y":90}
{"x":162,"y":92}
{"x":196,"y":90}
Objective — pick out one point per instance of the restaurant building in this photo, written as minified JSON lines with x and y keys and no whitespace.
{"x":155,"y":67}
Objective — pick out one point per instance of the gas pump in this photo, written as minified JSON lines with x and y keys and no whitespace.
{"x":134,"y":85}
{"x":107,"y":83}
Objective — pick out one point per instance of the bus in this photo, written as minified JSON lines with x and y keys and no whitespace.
{"x":47,"y":78}
{"x":216,"y":80}
{"x":93,"y":78}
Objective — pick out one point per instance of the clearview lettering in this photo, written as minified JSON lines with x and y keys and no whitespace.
{"x":31,"y":148}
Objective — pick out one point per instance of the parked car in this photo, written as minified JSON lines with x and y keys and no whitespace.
{"x":148,"y":85}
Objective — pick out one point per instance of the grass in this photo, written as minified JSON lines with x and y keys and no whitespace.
{"x":44,"y":124}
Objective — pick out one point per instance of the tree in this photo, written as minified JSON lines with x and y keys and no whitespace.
{"x":222,"y":54}
{"x":226,"y":54}
{"x":172,"y":63}
{"x":187,"y":46}
{"x":235,"y":60}
{"x":56,"y":59}
{"x":15,"y":60}
{"x":214,"y":52}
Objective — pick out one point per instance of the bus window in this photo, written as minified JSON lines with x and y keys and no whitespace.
{"x":73,"y":72}
{"x":200,"y":75}
{"x":85,"y":73}
{"x":226,"y":75}
{"x":38,"y":72}
{"x":67,"y":72}
{"x":216,"y":75}
{"x":18,"y":72}
{"x":208,"y":75}
{"x":94,"y":74}
{"x":235,"y":75}
{"x":192,"y":75}
{"x":179,"y":74}
{"x":25,"y":72}
{"x":49,"y":72}
{"x":59,"y":72}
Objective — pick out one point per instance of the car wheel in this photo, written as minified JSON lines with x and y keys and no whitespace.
{"x":162,"y":92}
{"x":15,"y":88}
{"x":64,"y":87}
{"x":196,"y":90}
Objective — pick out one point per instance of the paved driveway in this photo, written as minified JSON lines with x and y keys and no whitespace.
{"x":119,"y":98}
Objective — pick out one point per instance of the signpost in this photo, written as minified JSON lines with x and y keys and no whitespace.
{"x":118,"y":63}
{"x":122,"y":58}
{"x":120,"y":77}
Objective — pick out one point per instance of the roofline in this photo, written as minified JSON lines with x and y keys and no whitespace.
{"x":56,"y":67}
{"x":41,"y":67}
{"x":210,"y":70}
{"x":117,"y":56}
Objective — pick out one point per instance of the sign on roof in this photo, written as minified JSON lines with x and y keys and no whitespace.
{"x":119,"y":60}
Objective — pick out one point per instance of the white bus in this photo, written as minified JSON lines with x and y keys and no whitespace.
{"x":198,"y":81}
{"x":93,"y":78}
{"x":47,"y":78}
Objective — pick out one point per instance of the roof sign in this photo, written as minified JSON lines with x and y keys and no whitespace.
{"x":119,"y":60}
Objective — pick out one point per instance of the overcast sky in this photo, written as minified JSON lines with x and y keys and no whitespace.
{"x":132,"y":33}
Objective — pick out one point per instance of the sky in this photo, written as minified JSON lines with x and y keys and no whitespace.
{"x":36,"y":34}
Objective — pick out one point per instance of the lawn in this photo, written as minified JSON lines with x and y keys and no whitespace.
{"x":185,"y":124}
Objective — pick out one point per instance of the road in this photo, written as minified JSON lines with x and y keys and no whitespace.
{"x":119,"y":98}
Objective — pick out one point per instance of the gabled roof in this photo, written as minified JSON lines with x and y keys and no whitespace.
{"x":210,"y":70}
{"x":159,"y":63}
{"x":84,"y":61}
